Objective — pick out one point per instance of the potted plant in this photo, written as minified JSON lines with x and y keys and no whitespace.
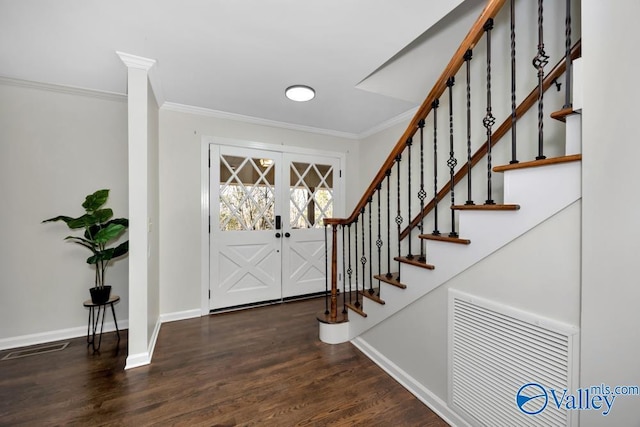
{"x":99,"y":230}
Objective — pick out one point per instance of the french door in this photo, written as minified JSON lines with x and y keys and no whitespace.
{"x":267,"y":238}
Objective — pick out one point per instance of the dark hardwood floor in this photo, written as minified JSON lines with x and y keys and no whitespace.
{"x":258,"y":367}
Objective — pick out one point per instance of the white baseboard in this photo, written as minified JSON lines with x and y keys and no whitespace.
{"x":58,"y":335}
{"x":141,"y":359}
{"x":425,"y":395}
{"x":179,"y":315}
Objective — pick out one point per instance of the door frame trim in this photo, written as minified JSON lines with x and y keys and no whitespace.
{"x":205,"y":142}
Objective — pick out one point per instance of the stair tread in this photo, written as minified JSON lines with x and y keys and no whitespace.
{"x":414,"y":261}
{"x":356,"y":309}
{"x":538,"y":163}
{"x":561,"y":115}
{"x":393,"y":280}
{"x":444,"y":238}
{"x":486,"y":207}
{"x":372,"y":297}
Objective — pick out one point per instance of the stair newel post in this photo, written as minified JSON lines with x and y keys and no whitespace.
{"x":334,"y":272}
{"x":467,"y":59}
{"x":514,"y":158}
{"x":435,"y":106}
{"x":349,"y":269}
{"x":344,"y":275}
{"x":409,"y":144}
{"x":326,"y":271}
{"x":539,"y":62}
{"x":363,"y":259}
{"x":451,"y":162}
{"x":399,"y":218}
{"x":388,"y":174}
{"x":355,"y":260}
{"x":379,"y":242}
{"x":370,"y":248}
{"x":422,"y":194}
{"x":489,"y":120}
{"x":567,"y":56}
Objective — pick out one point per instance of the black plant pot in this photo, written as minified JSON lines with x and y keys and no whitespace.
{"x":100,"y":295}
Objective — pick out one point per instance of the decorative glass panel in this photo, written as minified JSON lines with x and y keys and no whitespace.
{"x":247,"y":193}
{"x":311,"y":194}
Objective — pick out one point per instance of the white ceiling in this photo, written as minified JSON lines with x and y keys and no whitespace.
{"x":235,"y":56}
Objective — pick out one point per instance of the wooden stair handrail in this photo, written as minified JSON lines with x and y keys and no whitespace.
{"x":475,"y":33}
{"x":501,"y":131}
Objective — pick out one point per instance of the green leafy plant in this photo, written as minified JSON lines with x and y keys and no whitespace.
{"x":99,"y":230}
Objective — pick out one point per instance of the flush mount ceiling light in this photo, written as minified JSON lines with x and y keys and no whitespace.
{"x":300,"y":93}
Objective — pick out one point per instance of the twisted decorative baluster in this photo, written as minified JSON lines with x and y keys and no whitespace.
{"x":399,"y":218}
{"x":567,"y":56}
{"x":451,"y":162}
{"x":363,"y":259}
{"x":435,"y":106}
{"x":514,"y":158}
{"x":467,"y":59}
{"x":388,"y":174}
{"x":409,"y":144}
{"x":539,"y":62}
{"x":422,"y":194}
{"x":355,"y":244}
{"x":344,"y":276}
{"x":349,"y":270}
{"x":489,"y":120}
{"x":379,"y":240}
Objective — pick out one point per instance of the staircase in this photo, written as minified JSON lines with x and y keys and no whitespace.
{"x":383,"y":258}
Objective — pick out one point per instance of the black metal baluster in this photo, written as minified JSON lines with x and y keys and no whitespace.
{"x":435,"y":106}
{"x":567,"y":56}
{"x":489,"y":120}
{"x":355,"y":259}
{"x":539,"y":62}
{"x":379,"y":241}
{"x":451,"y":162}
{"x":388,"y":174}
{"x":326,"y":273}
{"x":363,"y":259}
{"x":344,"y":276}
{"x":467,"y":59}
{"x":422,"y":194}
{"x":399,"y":216}
{"x":349,"y":270}
{"x":409,"y":144}
{"x":370,"y":251}
{"x":514,"y":158}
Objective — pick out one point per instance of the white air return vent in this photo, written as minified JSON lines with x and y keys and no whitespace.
{"x":494,"y":350}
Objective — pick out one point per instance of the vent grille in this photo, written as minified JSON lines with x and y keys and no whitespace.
{"x":495,"y":350}
{"x":33,"y":351}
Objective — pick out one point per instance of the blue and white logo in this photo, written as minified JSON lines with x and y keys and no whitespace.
{"x":532,"y":398}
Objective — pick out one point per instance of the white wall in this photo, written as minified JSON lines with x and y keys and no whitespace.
{"x":518,"y":275}
{"x":180,"y":201}
{"x":153,"y":193}
{"x":56,"y":146}
{"x":611,"y":224}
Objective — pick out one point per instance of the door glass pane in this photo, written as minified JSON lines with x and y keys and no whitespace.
{"x":311,"y":194}
{"x":247,"y":193}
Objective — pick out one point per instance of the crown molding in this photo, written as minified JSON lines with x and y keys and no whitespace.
{"x":181,"y":108}
{"x":133,"y":61}
{"x":400,"y":118}
{"x":72,"y":90}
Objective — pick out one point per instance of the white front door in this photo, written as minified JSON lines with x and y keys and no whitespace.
{"x":267,"y":239}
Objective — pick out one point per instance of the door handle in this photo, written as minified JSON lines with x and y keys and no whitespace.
{"x":278,"y":235}
{"x":287,"y":234}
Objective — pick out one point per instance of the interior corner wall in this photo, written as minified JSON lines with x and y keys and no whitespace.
{"x":56,"y":146}
{"x":610,"y":342}
{"x":180,"y":185}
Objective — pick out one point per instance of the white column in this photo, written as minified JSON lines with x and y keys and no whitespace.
{"x":137,"y":78}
